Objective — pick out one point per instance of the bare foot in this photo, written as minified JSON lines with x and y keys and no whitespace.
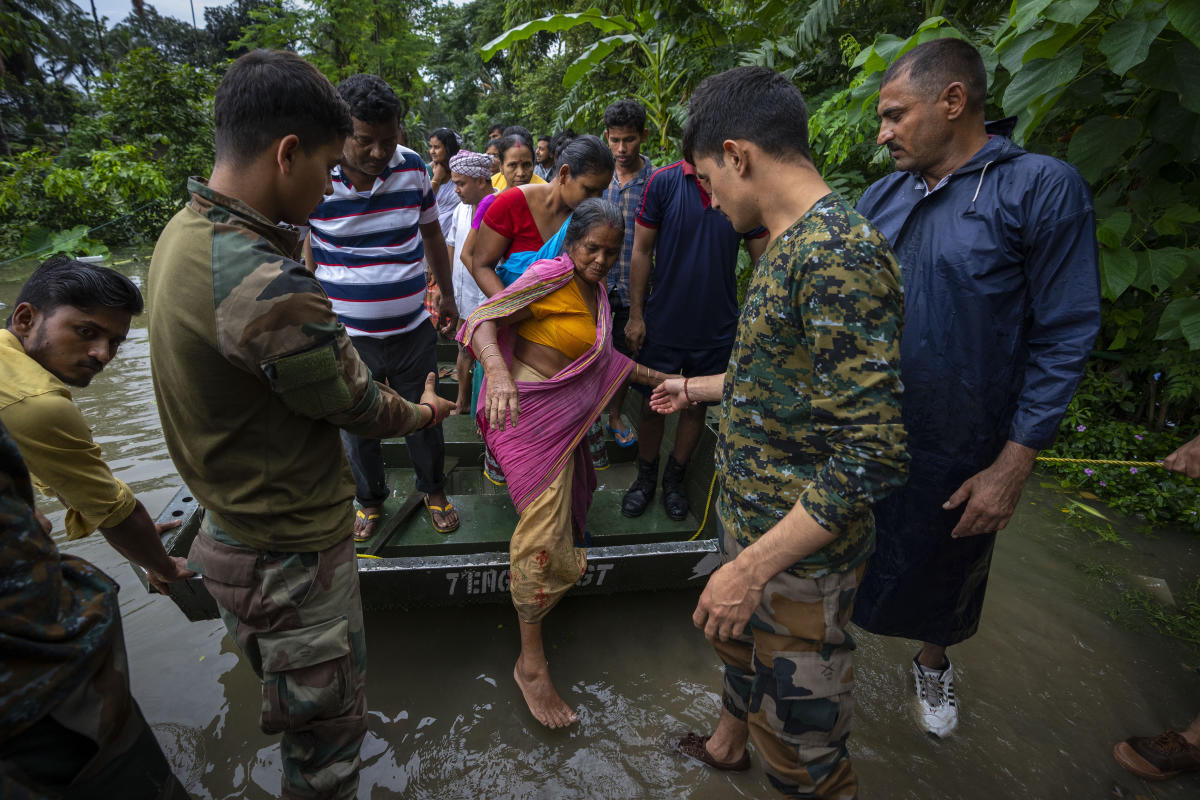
{"x":542,"y":698}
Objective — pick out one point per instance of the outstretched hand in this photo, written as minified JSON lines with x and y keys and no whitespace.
{"x":668,"y":397}
{"x":442,"y":407}
{"x":1186,"y":459}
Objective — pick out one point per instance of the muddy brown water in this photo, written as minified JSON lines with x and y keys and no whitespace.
{"x":1046,"y":687}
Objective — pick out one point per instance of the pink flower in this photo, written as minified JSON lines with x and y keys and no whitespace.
{"x":1133,"y":470}
{"x":1137,"y":436}
{"x":1089,"y":472}
{"x":1081,"y":428}
{"x":1104,"y":483}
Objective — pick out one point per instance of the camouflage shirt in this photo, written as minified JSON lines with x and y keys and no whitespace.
{"x":254,"y":375}
{"x":810,"y":411}
{"x":59,"y":616}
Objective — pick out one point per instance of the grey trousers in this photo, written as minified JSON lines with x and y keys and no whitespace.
{"x":402,"y":362}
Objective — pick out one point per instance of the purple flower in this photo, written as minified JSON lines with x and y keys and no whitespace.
{"x":1089,"y":472}
{"x":1104,"y":483}
{"x":1133,"y":470}
{"x":1081,"y":428}
{"x":1137,"y":436}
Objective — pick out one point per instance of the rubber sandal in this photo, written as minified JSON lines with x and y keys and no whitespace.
{"x":628,"y":431}
{"x":368,"y":525}
{"x":441,"y":510}
{"x":692,"y":745}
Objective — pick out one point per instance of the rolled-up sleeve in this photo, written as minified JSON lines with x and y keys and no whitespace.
{"x":851,"y":305}
{"x":57,"y":445}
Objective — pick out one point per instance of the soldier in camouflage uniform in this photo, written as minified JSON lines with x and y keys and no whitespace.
{"x":810,"y":435}
{"x":254,"y":377}
{"x":68,"y":724}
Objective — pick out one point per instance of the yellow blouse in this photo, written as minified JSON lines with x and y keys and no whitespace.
{"x":561,"y":320}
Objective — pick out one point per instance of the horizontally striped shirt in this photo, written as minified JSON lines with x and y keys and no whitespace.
{"x":367,"y":247}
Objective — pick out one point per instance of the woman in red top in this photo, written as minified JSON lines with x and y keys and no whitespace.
{"x":524,"y":218}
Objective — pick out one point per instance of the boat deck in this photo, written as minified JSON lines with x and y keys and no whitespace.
{"x":486,"y":512}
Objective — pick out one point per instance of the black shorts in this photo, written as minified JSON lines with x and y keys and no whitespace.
{"x":689,"y":362}
{"x":620,"y":317}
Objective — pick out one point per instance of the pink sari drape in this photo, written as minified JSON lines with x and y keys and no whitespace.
{"x":554,"y":414}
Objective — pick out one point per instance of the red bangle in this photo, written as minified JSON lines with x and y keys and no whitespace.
{"x":686,"y":396}
{"x":432,"y":416}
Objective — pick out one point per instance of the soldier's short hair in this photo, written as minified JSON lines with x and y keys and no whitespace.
{"x":752,"y":103}
{"x":62,"y":281}
{"x":370,"y":98}
{"x":268,"y":94}
{"x":935,"y":65}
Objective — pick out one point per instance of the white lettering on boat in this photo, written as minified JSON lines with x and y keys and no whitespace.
{"x":492,"y":581}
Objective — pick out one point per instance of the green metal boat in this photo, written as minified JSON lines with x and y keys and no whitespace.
{"x":408,"y":564}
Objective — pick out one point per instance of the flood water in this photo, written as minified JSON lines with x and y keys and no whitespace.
{"x":1046,"y":687}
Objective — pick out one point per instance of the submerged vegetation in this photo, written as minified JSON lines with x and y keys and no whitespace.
{"x":100,"y":123}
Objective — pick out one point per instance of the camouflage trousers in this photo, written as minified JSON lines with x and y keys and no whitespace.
{"x":790,"y":677}
{"x":297,"y":618}
{"x":94,"y":745}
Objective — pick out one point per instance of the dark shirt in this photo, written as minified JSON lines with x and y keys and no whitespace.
{"x":693,"y":287}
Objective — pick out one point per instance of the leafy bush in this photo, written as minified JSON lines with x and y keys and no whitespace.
{"x":39,"y":196}
{"x":1091,"y":431}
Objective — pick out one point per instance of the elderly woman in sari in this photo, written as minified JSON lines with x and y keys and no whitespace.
{"x":527,"y":223}
{"x":546,"y":347}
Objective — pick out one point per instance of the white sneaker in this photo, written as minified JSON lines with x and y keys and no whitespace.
{"x":936,"y":706}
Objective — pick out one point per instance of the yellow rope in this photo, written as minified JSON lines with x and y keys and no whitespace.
{"x":707,"y":503}
{"x":1101,"y":461}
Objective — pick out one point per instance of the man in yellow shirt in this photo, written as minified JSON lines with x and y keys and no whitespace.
{"x":68,"y":321}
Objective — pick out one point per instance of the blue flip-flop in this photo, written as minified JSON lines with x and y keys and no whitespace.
{"x":617,"y":434}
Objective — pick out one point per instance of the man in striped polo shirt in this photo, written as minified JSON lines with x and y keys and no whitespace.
{"x":369,"y":242}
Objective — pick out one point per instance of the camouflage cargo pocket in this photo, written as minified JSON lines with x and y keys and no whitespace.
{"x":808,"y":697}
{"x":306,"y":675}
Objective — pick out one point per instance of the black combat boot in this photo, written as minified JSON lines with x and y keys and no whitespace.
{"x":674,"y":495}
{"x":641,"y":492}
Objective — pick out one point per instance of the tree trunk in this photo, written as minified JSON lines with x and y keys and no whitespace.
{"x":100,"y":37}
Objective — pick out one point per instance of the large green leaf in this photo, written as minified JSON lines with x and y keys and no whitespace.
{"x":1099,"y":144}
{"x":1072,"y":12}
{"x":1024,"y":14}
{"x":1127,"y":41}
{"x":556,"y":23}
{"x":1158,"y":269}
{"x":1012,"y":52}
{"x":1185,"y":17}
{"x":1181,"y":320}
{"x":1112,"y":229}
{"x":595,"y":53}
{"x":1175,"y":216}
{"x":1118,"y":268}
{"x":1041,"y":76}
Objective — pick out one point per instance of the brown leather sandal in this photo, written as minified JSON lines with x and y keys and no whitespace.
{"x":692,"y":745}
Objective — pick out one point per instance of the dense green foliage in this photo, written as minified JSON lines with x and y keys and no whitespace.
{"x":99,"y":119}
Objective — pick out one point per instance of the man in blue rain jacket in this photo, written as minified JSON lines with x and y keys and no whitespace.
{"x":1002,"y":303}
